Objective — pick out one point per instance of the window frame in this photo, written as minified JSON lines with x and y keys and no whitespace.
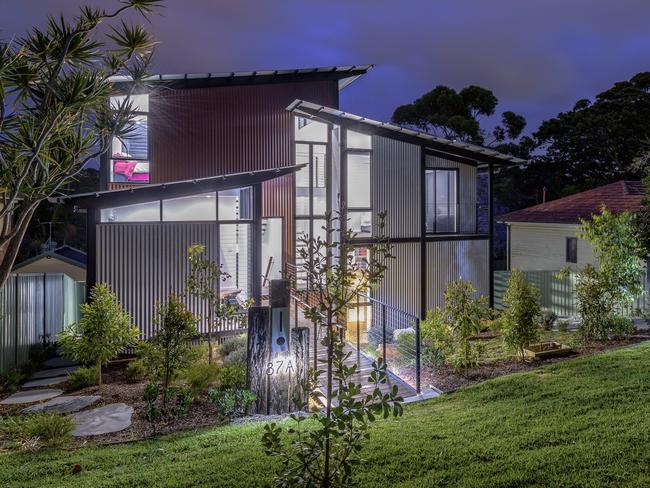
{"x":456,"y":203}
{"x":571,"y":252}
{"x":147,"y":160}
{"x":346,"y":151}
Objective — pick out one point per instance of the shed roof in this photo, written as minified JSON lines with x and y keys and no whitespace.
{"x":65,"y":253}
{"x":471,"y":151}
{"x":149,"y":193}
{"x":343,"y":74}
{"x":617,"y":197}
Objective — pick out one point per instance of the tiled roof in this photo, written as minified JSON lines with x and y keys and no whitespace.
{"x":617,"y":197}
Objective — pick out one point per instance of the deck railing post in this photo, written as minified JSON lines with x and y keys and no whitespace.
{"x":417,"y":356}
{"x":315,"y":346}
{"x":383,"y":331}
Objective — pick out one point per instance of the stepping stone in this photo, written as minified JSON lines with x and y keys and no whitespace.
{"x":63,"y":404}
{"x":60,"y":362}
{"x":31,"y":396}
{"x":103,"y":420}
{"x":52,"y":373}
{"x":45,"y":382}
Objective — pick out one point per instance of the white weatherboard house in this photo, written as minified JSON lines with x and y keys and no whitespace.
{"x":545,"y":236}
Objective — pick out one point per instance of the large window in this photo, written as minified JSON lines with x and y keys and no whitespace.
{"x":359,"y":205}
{"x":441,"y":200}
{"x":130,"y":153}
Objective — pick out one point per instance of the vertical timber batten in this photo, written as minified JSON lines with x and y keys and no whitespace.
{"x":256,"y":269}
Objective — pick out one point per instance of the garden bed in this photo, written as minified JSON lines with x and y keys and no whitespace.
{"x":497,"y":362}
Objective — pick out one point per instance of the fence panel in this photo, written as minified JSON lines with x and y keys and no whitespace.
{"x":556,"y":294}
{"x":34,"y":305}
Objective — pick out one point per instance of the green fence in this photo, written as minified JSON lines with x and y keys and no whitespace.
{"x":556,"y":294}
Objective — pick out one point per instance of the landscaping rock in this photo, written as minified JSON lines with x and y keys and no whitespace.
{"x":59,"y":362}
{"x":103,"y":420}
{"x":31,"y":396}
{"x":63,"y":404}
{"x":51,"y":373}
{"x":45,"y":382}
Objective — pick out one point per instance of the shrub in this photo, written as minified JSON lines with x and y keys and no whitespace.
{"x":199,"y":376}
{"x":180,"y":399}
{"x":520,"y":318}
{"x":232,"y":402}
{"x":102,"y":332}
{"x":449,"y":331}
{"x":151,"y":411}
{"x":170,"y":350}
{"x":83,"y":377}
{"x":562,"y":325}
{"x":45,"y":429}
{"x":234,"y":350}
{"x":231,"y":377}
{"x":547,"y":319}
{"x":620,"y":326}
{"x":11,"y":380}
{"x":136,"y":370}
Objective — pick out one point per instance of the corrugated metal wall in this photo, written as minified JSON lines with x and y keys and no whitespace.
{"x":34,"y":305}
{"x":278,"y":201}
{"x":467,"y":190}
{"x":145,"y":262}
{"x":452,"y":260}
{"x":395,"y":185}
{"x":400,"y":287}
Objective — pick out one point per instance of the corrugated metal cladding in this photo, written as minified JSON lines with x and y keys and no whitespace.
{"x":400,"y":287}
{"x":452,"y":260}
{"x":203,"y":132}
{"x":145,"y":262}
{"x":395,"y":185}
{"x":467,"y":190}
{"x":35,"y":305}
{"x":278,"y":201}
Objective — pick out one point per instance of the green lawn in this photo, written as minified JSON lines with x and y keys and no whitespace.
{"x":583,"y":422}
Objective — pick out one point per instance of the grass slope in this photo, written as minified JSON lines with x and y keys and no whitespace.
{"x":584,"y":422}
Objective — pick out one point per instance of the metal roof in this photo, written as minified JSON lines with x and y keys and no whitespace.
{"x":149,"y":193}
{"x":479,"y":153}
{"x":344,"y":74}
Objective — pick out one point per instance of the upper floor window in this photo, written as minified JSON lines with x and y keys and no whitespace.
{"x":309,"y":130}
{"x":441,"y":200}
{"x":571,"y":249}
{"x":130,"y":154}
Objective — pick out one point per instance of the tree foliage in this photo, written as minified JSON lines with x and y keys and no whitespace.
{"x":203,"y":283}
{"x":519,"y":320}
{"x":457,"y":115}
{"x":54,"y":111}
{"x":450,"y":329}
{"x":170,"y":349}
{"x":103,"y":331}
{"x":325,"y":454}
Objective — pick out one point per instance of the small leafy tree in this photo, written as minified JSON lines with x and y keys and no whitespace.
{"x":103,"y":331}
{"x":324,"y":454}
{"x":602,"y":293}
{"x":170,"y":349}
{"x":55,"y":84}
{"x":519,"y":320}
{"x":203,"y":283}
{"x":451,"y":328}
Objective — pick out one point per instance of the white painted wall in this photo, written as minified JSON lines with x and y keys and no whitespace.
{"x":536,"y":246}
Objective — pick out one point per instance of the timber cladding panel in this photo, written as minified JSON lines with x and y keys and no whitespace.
{"x":145,"y":262}
{"x":448,"y":261}
{"x":395,"y":185}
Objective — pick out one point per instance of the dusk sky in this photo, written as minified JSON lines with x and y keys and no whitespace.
{"x":538,"y":57}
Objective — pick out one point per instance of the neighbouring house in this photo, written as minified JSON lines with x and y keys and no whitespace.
{"x":545,"y":236}
{"x":64,"y":259}
{"x":246,"y":162}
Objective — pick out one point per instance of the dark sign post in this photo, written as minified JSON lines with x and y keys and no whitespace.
{"x":277,"y":357}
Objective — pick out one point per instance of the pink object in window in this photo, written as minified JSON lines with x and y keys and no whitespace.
{"x":139,"y":177}
{"x":125,"y":168}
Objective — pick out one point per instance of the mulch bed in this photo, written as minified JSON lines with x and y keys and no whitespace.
{"x":117,"y":388}
{"x":447,"y":380}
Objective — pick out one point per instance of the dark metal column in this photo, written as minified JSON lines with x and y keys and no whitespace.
{"x":92,"y":219}
{"x":423,"y":234}
{"x":256,"y":244}
{"x":491,"y":232}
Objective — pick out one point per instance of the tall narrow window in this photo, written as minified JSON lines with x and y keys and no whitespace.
{"x":130,"y":153}
{"x":571,"y":249}
{"x":441,"y":200}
